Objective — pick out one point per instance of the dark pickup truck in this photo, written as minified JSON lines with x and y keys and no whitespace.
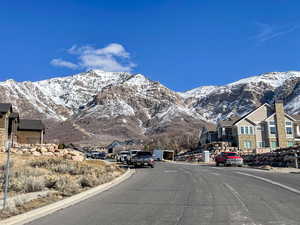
{"x":142,"y":158}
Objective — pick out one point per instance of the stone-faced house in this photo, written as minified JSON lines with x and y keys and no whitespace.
{"x":18,"y":131}
{"x":264,"y":127}
{"x":30,"y":132}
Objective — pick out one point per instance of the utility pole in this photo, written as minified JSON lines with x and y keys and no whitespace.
{"x":5,"y":192}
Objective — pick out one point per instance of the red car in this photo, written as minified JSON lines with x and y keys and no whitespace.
{"x":229,"y":159}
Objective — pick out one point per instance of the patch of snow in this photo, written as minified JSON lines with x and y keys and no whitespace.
{"x":199,"y":92}
{"x":274,"y":79}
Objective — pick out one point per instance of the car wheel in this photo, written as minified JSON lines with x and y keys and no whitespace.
{"x":217,"y":164}
{"x":152,"y":166}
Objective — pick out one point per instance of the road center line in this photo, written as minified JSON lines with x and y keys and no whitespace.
{"x":272,"y":182}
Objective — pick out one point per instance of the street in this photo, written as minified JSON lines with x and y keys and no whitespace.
{"x":179,"y":194}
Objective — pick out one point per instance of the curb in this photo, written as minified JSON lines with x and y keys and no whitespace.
{"x":192,"y":164}
{"x":46,"y":210}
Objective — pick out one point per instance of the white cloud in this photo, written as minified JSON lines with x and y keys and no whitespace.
{"x":268,"y":32}
{"x":63,"y":63}
{"x":111,"y":58}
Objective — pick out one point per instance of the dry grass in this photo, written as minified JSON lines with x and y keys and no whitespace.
{"x":32,"y":174}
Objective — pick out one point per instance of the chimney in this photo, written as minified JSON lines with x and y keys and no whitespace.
{"x":280,"y":124}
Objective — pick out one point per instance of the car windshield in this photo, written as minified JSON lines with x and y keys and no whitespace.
{"x":124,"y":153}
{"x":231,"y":154}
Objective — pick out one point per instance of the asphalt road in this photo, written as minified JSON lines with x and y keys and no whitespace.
{"x":172,"y":194}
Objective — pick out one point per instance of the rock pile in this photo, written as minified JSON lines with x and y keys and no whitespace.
{"x":48,"y":150}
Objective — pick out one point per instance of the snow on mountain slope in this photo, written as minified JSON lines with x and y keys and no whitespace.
{"x":59,"y":98}
{"x":99,"y":102}
{"x":240,"y":97}
{"x":199,"y":92}
{"x":274,"y":79}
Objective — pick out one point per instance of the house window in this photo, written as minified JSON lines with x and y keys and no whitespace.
{"x":242,"y":130}
{"x":272,"y":123}
{"x":246,"y":130}
{"x":251,"y":130}
{"x":258,"y":128}
{"x":273,"y":130}
{"x":289,"y":130}
{"x":290,"y":144}
{"x":247,"y":144}
{"x":273,"y":144}
{"x":261,"y":144}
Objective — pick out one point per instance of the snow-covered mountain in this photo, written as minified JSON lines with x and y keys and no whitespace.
{"x":240,"y":97}
{"x":98,"y":105}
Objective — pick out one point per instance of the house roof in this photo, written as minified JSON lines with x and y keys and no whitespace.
{"x":31,"y":125}
{"x":243,"y":117}
{"x":211,"y":127}
{"x":5,"y":107}
{"x":296,"y":117}
{"x":229,"y":122}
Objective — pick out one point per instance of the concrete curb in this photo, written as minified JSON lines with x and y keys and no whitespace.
{"x":191,"y":164}
{"x":46,"y":210}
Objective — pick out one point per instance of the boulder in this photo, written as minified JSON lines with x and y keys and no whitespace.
{"x":36,"y":153}
{"x":47,"y":154}
{"x":77,"y":158}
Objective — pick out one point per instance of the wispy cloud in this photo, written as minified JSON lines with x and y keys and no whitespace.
{"x":267,"y":32}
{"x":111,"y":58}
{"x":63,"y":63}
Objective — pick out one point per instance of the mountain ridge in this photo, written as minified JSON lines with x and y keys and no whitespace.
{"x":118,"y":105}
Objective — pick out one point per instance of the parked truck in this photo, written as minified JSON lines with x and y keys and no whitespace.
{"x":229,"y":159}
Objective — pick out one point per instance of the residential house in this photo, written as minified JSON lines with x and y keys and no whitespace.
{"x":14,"y":130}
{"x":265,"y":127}
{"x":30,"y":132}
{"x":5,"y":111}
{"x":208,"y":135}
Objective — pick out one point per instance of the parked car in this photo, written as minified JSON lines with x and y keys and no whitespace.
{"x":143,"y":158}
{"x":95,"y":155}
{"x":132,"y":153}
{"x":122,"y":156}
{"x":229,"y":159}
{"x":98,"y":155}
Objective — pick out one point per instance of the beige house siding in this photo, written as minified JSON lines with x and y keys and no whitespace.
{"x":242,"y":138}
{"x":260,"y":114}
{"x":29,"y":137}
{"x":244,"y":122}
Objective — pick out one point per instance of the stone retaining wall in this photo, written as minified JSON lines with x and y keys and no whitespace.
{"x":47,"y":150}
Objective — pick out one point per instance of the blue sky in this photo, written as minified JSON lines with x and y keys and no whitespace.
{"x":182,"y":44}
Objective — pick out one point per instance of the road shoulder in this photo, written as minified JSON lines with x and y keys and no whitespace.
{"x":46,"y":210}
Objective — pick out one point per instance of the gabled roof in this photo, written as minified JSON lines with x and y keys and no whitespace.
{"x":248,"y":114}
{"x":285,"y":114}
{"x":296,"y":117}
{"x":229,"y":122}
{"x":31,"y":125}
{"x":5,"y":107}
